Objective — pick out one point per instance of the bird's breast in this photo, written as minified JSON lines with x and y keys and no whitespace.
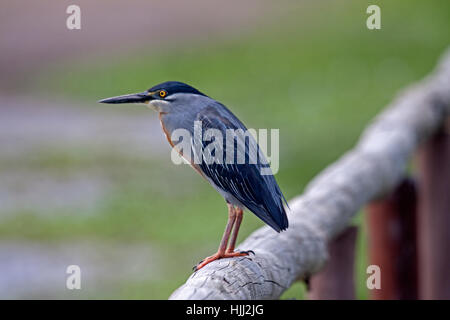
{"x":163,"y":127}
{"x":168,"y":132}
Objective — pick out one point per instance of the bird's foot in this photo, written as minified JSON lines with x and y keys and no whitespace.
{"x":219,"y":255}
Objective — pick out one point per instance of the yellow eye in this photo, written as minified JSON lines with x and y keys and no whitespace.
{"x":162,"y":93}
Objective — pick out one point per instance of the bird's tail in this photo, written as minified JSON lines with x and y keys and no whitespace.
{"x":272,"y":211}
{"x":277,"y":213}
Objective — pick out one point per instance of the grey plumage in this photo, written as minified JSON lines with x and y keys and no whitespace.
{"x":180,"y":106}
{"x":240,"y":184}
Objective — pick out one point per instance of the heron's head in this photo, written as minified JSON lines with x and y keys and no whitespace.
{"x":161,"y":97}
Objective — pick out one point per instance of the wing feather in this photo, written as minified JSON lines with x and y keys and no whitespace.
{"x":259,"y":193}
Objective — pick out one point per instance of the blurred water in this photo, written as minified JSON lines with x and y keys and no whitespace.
{"x":31,"y":130}
{"x":30,"y":125}
{"x":38,"y":270}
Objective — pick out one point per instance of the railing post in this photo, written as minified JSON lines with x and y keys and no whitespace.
{"x":434,"y":217}
{"x":392,"y":242}
{"x":336,"y":280}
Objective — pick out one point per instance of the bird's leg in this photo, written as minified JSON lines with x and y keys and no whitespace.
{"x":222,"y":252}
{"x":224,"y":242}
{"x":230,"y":250}
{"x":239,"y":216}
{"x":228,"y":228}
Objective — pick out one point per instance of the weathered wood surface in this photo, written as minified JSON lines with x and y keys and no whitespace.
{"x":372,"y":168}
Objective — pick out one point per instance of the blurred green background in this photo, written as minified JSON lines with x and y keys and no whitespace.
{"x":93,"y":185}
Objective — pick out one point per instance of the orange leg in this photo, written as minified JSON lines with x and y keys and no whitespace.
{"x":222,"y":252}
{"x":239,"y":216}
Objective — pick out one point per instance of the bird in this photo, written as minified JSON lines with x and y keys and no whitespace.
{"x":242,"y":184}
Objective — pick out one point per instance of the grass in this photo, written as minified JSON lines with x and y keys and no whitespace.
{"x":319,"y":75}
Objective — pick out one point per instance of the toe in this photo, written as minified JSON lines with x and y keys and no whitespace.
{"x":205,"y":261}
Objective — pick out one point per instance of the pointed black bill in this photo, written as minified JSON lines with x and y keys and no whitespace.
{"x":128,"y":98}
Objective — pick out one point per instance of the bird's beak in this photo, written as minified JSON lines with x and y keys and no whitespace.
{"x":141,"y":97}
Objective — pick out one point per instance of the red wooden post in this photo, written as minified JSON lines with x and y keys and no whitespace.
{"x":434,"y":217}
{"x":336,"y":280}
{"x":392,"y":242}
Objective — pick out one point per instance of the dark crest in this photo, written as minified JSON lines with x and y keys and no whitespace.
{"x":173,"y":87}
